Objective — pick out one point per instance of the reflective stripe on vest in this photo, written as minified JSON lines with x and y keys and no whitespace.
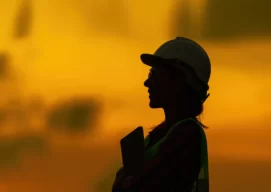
{"x":202,"y":183}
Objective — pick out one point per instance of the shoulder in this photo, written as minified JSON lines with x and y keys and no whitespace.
{"x":187,"y":128}
{"x":187,"y":134}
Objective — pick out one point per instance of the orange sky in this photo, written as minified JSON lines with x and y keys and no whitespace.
{"x":63,"y":58}
{"x":69,"y":54}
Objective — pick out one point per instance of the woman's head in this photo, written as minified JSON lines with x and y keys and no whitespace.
{"x":179,"y":76}
{"x":169,"y":88}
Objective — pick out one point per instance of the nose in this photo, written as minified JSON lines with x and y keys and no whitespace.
{"x":146,"y":83}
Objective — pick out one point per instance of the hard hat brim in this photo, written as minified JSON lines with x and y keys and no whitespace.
{"x":156,"y":61}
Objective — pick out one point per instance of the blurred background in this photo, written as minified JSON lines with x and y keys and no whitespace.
{"x":71,"y":86}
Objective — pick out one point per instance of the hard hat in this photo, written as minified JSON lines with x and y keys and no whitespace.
{"x":187,"y":55}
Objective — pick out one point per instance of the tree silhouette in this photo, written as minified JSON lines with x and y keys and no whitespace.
{"x":106,"y":16}
{"x":181,"y":20}
{"x":4,"y":65}
{"x":75,"y":115}
{"x":227,"y":19}
{"x":224,"y":19}
{"x":9,"y":153}
{"x":7,"y":80}
{"x":23,"y":20}
{"x":11,"y":149}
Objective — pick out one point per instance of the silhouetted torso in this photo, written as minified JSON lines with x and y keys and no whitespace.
{"x":175,"y":166}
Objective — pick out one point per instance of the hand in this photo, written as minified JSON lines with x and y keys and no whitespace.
{"x":122,"y":179}
{"x":120,"y":174}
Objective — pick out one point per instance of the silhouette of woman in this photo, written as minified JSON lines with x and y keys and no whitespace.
{"x":176,"y":157}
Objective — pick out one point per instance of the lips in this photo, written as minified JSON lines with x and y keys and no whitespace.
{"x":149,"y":93}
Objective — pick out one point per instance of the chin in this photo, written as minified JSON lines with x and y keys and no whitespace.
{"x":154,"y":105}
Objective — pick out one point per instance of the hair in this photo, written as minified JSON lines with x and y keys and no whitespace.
{"x":194,"y":105}
{"x":191,"y":100}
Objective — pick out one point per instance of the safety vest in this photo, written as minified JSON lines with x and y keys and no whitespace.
{"x":202,"y":183}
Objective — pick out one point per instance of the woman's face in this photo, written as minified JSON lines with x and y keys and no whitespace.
{"x":163,"y":87}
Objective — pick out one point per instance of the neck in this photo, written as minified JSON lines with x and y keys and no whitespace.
{"x":174,"y":114}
